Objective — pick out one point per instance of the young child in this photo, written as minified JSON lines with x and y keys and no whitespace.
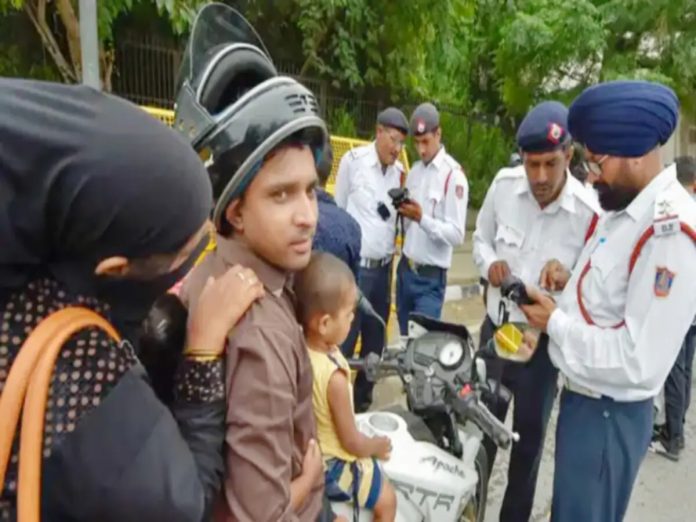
{"x":326,"y":295}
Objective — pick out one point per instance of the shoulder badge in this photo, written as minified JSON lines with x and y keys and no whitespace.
{"x":663,"y":281}
{"x":666,"y":217}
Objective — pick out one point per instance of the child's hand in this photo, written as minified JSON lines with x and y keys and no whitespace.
{"x":313,"y":464}
{"x":384,"y":447}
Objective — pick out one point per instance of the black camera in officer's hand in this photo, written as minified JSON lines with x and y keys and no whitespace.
{"x":515,"y":290}
{"x":399,"y":196}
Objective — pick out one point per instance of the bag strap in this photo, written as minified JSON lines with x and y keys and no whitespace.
{"x":28,"y":382}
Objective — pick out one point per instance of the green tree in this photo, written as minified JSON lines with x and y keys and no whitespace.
{"x":57,"y":24}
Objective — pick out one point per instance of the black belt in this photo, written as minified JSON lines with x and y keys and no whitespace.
{"x":431,"y":271}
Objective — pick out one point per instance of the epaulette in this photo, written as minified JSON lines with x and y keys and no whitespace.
{"x":359,"y":152}
{"x":666,"y":214}
{"x":510,"y":173}
{"x":452,"y":163}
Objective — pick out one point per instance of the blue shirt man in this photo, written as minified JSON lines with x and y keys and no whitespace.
{"x":337,"y":233}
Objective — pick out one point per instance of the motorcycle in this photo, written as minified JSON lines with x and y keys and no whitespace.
{"x":438,"y":466}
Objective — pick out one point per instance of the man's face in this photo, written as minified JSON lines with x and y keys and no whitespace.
{"x":546,"y":173}
{"x":277,"y":216}
{"x":428,"y":145}
{"x":389,"y":143}
{"x":614,"y":184}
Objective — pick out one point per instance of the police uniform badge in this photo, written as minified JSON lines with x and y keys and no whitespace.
{"x":663,"y":281}
{"x":666,"y":219}
{"x":555,"y":133}
{"x":420,"y":126}
{"x":459,"y":190}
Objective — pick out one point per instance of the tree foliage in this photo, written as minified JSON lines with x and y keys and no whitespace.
{"x":491,"y":59}
{"x":57,"y":24}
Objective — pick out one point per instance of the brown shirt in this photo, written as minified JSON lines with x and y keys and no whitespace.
{"x":269,"y":395}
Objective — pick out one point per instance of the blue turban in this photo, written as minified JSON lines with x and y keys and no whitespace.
{"x":624,"y":118}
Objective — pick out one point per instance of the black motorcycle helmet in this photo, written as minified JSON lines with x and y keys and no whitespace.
{"x":233,"y":106}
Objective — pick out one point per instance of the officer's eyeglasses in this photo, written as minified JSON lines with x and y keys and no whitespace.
{"x":397,"y":142}
{"x":595,"y":167}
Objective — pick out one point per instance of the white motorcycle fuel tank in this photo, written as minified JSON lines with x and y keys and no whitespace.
{"x":430,"y":483}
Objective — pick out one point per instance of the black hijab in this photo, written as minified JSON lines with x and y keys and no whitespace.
{"x":83,"y":176}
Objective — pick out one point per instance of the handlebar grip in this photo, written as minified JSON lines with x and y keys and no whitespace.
{"x":489,"y":423}
{"x":372,"y":365}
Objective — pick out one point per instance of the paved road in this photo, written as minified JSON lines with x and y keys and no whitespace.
{"x":665,"y":491}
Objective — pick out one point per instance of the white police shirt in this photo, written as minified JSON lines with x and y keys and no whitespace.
{"x":360,"y":187}
{"x":442,"y":191}
{"x":617,"y":331}
{"x":512,"y":227}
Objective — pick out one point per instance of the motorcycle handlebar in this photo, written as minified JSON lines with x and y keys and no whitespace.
{"x":471,"y":408}
{"x":372,"y":365}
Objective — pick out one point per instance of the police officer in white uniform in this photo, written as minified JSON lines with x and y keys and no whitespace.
{"x":435,"y":220}
{"x":365,"y":176}
{"x":617,"y":328}
{"x":533,"y":215}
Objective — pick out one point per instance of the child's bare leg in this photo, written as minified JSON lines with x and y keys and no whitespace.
{"x":385,"y":508}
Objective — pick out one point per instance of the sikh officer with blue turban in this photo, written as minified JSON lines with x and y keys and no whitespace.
{"x":616,"y":330}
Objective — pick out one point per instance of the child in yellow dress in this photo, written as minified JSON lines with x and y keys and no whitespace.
{"x":326,"y":297}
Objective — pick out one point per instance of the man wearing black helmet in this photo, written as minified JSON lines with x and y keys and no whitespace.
{"x":264,"y":137}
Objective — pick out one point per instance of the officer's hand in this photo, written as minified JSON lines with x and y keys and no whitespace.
{"x":411,"y":210}
{"x":497,"y":272}
{"x":554,"y":276}
{"x":539,"y":313}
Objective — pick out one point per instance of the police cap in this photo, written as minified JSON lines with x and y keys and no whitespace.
{"x":394,"y":118}
{"x":544,"y":129}
{"x":424,"y":119}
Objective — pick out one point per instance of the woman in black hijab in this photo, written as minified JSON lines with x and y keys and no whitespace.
{"x":102,"y":206}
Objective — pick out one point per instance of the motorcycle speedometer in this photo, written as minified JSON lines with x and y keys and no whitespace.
{"x":451,"y":354}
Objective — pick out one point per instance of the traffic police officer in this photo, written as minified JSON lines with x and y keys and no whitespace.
{"x":436,"y":220}
{"x":365,"y":176}
{"x":618,"y":326}
{"x":532,"y":214}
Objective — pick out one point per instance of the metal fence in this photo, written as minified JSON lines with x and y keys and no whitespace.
{"x":146,"y":69}
{"x":146,"y":72}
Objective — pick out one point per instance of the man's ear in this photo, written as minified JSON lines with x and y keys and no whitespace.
{"x":233,"y":215}
{"x":113,"y":266}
